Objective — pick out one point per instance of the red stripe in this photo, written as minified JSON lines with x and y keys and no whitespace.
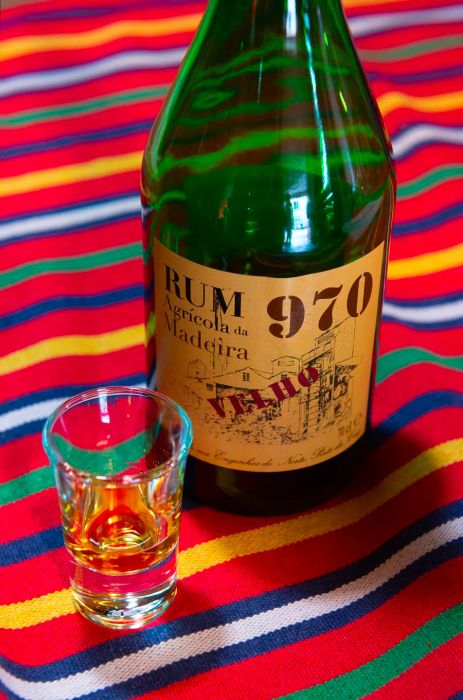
{"x":436,"y":284}
{"x":418,"y":242}
{"x":83,"y":153}
{"x":71,"y":244}
{"x":17,"y":458}
{"x":62,"y":5}
{"x":90,"y":89}
{"x":38,"y":513}
{"x":73,"y":322}
{"x":63,"y":125}
{"x":362,"y":9}
{"x":407,"y":385}
{"x":425,"y":158}
{"x":435,"y":59}
{"x":399,"y":36}
{"x":430,"y":429}
{"x":428,"y":88}
{"x":399,"y":116}
{"x":62,"y":284}
{"x":71,"y":194}
{"x":395,"y":336}
{"x":78,"y":370}
{"x":428,"y":204}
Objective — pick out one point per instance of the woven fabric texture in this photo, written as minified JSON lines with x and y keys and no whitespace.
{"x":362,"y":597}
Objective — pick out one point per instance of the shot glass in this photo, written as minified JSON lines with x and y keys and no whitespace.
{"x":118,"y":456}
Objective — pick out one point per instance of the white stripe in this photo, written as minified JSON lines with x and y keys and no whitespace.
{"x":130,"y":60}
{"x":423,"y":134}
{"x":447,"y":311}
{"x":370,"y":24}
{"x":171,"y":651}
{"x":34,"y":412}
{"x":28,"y":414}
{"x":56,"y":221}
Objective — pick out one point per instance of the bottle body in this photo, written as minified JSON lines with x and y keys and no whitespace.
{"x":268,"y":192}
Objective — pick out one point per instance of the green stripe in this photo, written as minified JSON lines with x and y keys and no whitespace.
{"x":73,"y":109}
{"x":385,"y":668}
{"x":430,"y":179}
{"x":129,"y":451}
{"x":26,"y":485}
{"x":112,"y":460}
{"x":89,"y":261}
{"x":258,"y":140}
{"x":396,"y":360}
{"x":416,"y":48}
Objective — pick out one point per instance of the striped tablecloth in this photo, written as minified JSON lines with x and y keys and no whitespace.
{"x":362,"y":597}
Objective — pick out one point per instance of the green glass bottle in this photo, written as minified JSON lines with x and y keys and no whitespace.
{"x":268,"y":194}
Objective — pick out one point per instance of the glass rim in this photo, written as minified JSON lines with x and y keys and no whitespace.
{"x":52,"y":450}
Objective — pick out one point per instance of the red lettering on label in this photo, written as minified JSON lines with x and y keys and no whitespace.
{"x":278,"y":391}
{"x":217,"y":405}
{"x":283,"y":390}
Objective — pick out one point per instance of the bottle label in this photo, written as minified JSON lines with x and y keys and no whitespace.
{"x":274,"y":373}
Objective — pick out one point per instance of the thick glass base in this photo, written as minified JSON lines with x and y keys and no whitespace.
{"x":128,"y":601}
{"x":277,"y":493}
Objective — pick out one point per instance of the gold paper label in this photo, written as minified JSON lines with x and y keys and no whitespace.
{"x":274,"y":373}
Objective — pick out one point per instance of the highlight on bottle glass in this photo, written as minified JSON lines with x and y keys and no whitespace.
{"x":118,"y":456}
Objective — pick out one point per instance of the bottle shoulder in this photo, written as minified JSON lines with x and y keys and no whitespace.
{"x":270,"y":153}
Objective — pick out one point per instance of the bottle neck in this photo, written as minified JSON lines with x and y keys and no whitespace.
{"x":290,"y":19}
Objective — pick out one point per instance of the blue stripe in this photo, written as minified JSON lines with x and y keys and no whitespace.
{"x":81,"y":13}
{"x":87,"y":137}
{"x":66,"y":303}
{"x":61,"y":392}
{"x":430,"y":221}
{"x":426,"y":144}
{"x":420,"y":77}
{"x":411,"y":411}
{"x":31,"y":546}
{"x":428,"y":326}
{"x":428,"y":301}
{"x":237,"y":610}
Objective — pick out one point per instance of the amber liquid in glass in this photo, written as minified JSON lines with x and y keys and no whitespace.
{"x":118,"y":530}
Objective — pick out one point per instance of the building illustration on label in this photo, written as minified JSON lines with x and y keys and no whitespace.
{"x":292,"y":399}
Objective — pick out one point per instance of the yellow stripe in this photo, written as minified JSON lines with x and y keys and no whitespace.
{"x":263,"y":539}
{"x":72,"y":345}
{"x":68,"y":174}
{"x":426,"y":264}
{"x":391,"y":101}
{"x":22,"y":46}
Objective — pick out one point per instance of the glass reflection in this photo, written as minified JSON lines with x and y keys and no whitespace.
{"x":298,"y":234}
